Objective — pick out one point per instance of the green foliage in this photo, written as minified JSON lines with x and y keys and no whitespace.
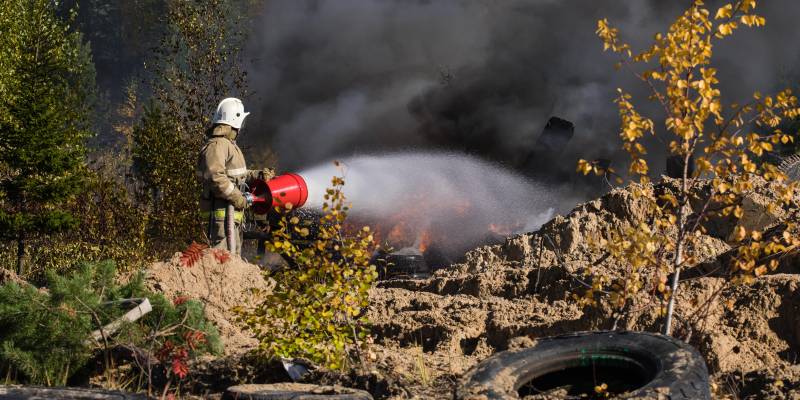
{"x":186,"y":314}
{"x":136,"y":193}
{"x":197,"y":64}
{"x":46,"y":86}
{"x":177,"y":331}
{"x":111,"y":226}
{"x":45,"y":333}
{"x":163,"y":162}
{"x":317,"y":309}
{"x":121,"y":34}
{"x":42,"y":337}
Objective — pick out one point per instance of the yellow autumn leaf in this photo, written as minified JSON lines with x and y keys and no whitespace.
{"x":739,"y":233}
{"x":724,"y":12}
{"x":583,"y":167}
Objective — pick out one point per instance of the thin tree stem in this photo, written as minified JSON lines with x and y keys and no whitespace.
{"x":678,"y":261}
{"x":20,"y":253}
{"x":671,"y":303}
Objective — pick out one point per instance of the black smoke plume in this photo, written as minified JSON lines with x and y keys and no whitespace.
{"x":338,"y":77}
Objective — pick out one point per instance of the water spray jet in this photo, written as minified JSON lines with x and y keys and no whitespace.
{"x":441,"y":201}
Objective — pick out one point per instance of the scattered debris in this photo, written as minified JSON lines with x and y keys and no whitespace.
{"x":142,"y":307}
{"x":294,"y":391}
{"x":296,"y":368}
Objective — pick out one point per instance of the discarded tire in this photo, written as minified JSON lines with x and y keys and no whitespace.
{"x":632,"y":365}
{"x":293,"y":391}
{"x":791,"y":167}
{"x":35,"y":393}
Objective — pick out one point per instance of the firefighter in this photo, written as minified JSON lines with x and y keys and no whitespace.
{"x":224,"y":176}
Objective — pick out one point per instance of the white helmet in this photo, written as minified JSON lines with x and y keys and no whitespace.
{"x":230,"y":111}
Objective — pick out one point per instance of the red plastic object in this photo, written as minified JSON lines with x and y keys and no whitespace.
{"x":288,"y":188}
{"x":262,"y":198}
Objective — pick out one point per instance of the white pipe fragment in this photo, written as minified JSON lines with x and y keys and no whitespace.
{"x":134,"y":314}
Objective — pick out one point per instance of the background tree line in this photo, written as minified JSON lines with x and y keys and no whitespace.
{"x":103,"y":107}
{"x":103,"y":110}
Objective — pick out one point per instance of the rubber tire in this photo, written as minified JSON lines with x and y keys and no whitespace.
{"x":34,"y":392}
{"x":680,"y":371}
{"x":294,"y":391}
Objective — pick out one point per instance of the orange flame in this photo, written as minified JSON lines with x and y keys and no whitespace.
{"x":425,"y":240}
{"x":406,"y":228}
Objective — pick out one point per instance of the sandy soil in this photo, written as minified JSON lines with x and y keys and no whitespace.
{"x":429,"y":332}
{"x":220,"y":286}
{"x":508,"y":295}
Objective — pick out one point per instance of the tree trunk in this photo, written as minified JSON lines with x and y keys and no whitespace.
{"x":677,"y":261}
{"x":679,"y":245}
{"x":20,"y":253}
{"x":674,"y":290}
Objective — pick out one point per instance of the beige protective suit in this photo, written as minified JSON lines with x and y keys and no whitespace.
{"x":223,"y":173}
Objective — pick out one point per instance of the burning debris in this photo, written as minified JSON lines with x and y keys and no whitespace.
{"x":404,"y":263}
{"x":549,"y":147}
{"x":437,"y":204}
{"x":425,"y":210}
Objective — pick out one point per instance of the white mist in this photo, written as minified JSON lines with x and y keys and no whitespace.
{"x":457,"y":198}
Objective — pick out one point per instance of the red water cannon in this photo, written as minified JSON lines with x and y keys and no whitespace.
{"x":278,"y":192}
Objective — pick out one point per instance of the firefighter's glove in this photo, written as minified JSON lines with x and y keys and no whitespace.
{"x":267,"y":174}
{"x":240,"y":202}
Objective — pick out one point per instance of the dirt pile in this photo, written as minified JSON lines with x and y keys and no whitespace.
{"x":219,"y":285}
{"x":7,"y":276}
{"x":429,"y":332}
{"x":504,"y":296}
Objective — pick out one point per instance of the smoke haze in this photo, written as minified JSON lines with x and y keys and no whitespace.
{"x":336,"y":78}
{"x":456,"y":198}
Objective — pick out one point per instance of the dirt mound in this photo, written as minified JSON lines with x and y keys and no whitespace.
{"x":507,"y":295}
{"x":7,"y":276}
{"x":429,"y":332}
{"x":782,"y":383}
{"x":220,"y":286}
